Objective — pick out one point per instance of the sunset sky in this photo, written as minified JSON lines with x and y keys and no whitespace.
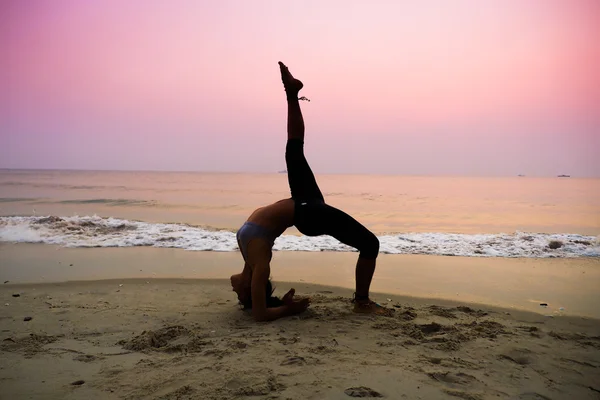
{"x":398,"y":87}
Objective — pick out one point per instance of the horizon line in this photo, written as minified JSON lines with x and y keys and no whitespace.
{"x":282,"y":172}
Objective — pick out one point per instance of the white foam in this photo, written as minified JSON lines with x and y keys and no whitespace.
{"x":96,"y":231}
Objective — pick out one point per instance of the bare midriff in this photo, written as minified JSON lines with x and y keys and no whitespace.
{"x":276,"y":217}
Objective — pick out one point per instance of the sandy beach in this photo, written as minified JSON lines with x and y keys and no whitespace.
{"x":156,"y":337}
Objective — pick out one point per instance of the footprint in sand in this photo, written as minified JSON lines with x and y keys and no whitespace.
{"x":448,"y":377}
{"x":518,"y":356}
{"x":362,"y":391}
{"x":453,"y":362}
{"x":470,"y":311}
{"x":428,"y":329}
{"x":463,"y":395}
{"x":263,"y":388}
{"x":85,"y":358}
{"x":442,"y":312}
{"x":584,"y":340}
{"x":579,"y":362}
{"x":532,"y":396}
{"x":445,"y":344}
{"x":288,"y":341}
{"x":296,"y":360}
{"x":238,"y":345}
{"x":532,"y":330}
{"x":390,"y":325}
{"x":158,"y":339}
{"x":408,"y":315}
{"x":29,"y":345}
{"x":184,"y":392}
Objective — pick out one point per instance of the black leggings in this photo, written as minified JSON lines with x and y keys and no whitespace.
{"x":313,"y":217}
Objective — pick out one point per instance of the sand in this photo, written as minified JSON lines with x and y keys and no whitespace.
{"x":161,"y":338}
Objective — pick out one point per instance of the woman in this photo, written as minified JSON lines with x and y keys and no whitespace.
{"x":306,"y":209}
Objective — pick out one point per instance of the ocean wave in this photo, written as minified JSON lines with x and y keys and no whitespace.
{"x":108,"y":202}
{"x":16,"y":199}
{"x":62,"y":186}
{"x":94,"y":231}
{"x":111,"y":202}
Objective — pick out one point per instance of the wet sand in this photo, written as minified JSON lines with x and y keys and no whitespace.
{"x":571,"y":284}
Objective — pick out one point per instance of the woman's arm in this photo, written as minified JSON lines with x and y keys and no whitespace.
{"x":260,"y":312}
{"x":259,"y":253}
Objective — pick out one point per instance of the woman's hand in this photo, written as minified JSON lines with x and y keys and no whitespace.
{"x":295,"y":306}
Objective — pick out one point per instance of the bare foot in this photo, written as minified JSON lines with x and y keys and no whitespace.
{"x":370,"y":307}
{"x":292,"y":85}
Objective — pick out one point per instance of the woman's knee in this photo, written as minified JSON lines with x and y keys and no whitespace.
{"x":369,"y":248}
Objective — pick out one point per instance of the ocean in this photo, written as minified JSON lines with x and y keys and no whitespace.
{"x":462,"y":216}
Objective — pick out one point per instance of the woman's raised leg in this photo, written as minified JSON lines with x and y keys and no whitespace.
{"x":303,"y":184}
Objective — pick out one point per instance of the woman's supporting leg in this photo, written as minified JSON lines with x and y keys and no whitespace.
{"x":323,"y":219}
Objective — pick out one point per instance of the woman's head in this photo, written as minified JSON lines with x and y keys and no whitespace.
{"x":272,"y":301}
{"x":241,"y":285}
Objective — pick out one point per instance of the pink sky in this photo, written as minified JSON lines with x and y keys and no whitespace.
{"x":423,"y":87}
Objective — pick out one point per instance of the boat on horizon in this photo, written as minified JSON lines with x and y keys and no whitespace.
{"x":564,"y":176}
